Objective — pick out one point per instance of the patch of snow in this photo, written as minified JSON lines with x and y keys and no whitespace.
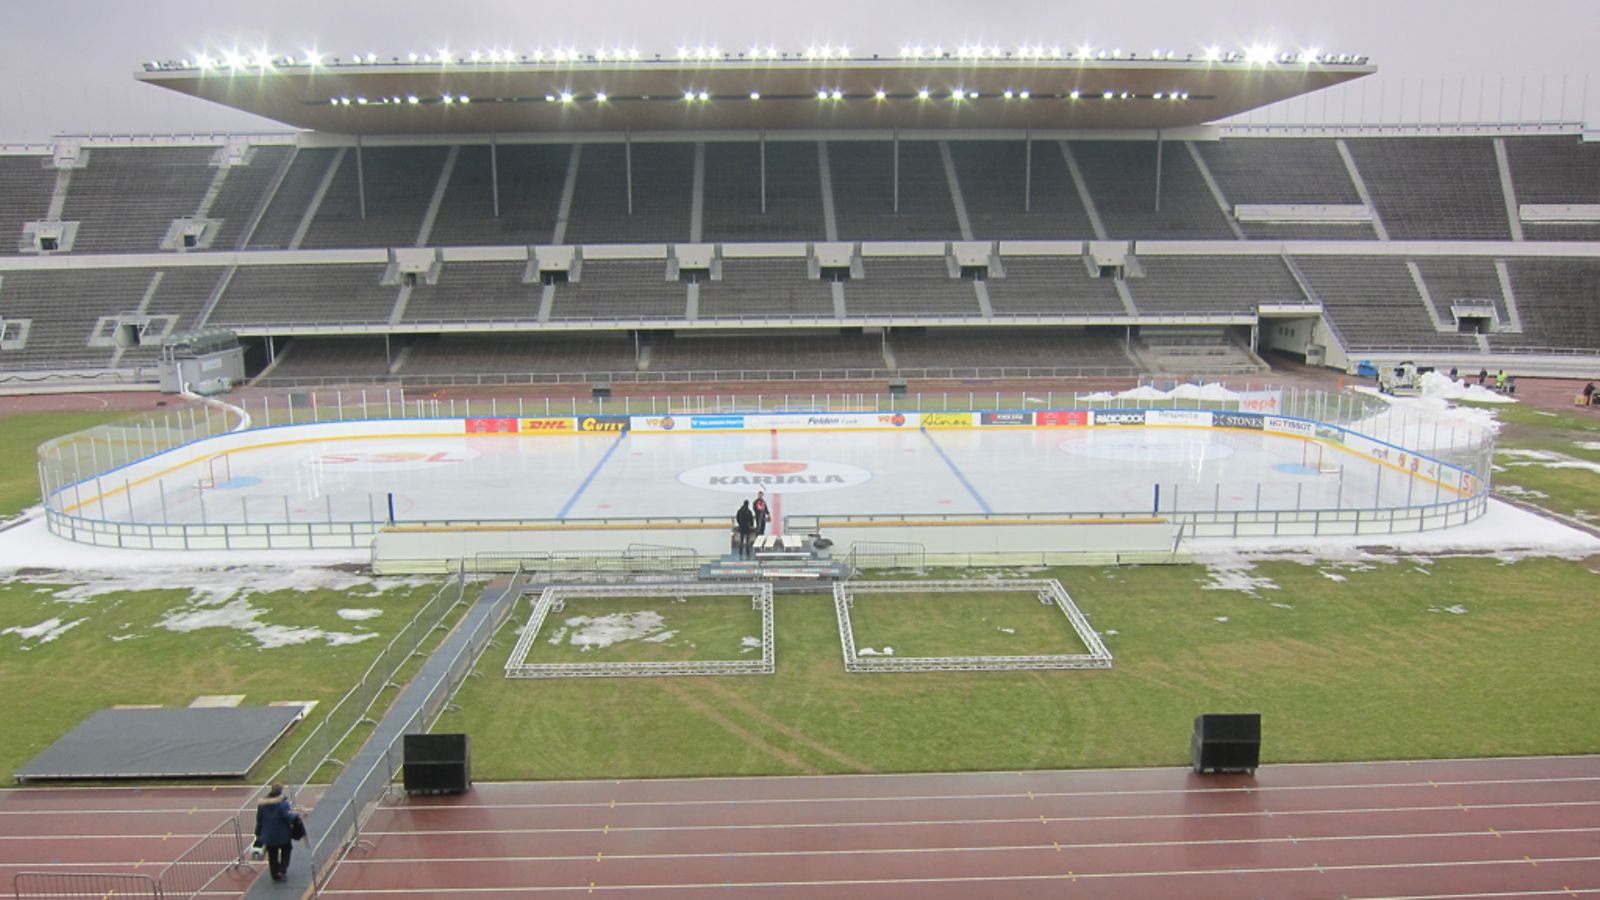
{"x":1456,"y":610}
{"x":749,"y":642}
{"x":1512,"y":490}
{"x":240,"y":614}
{"x":1098,"y":396}
{"x":661,"y":638}
{"x":45,"y":631}
{"x":1212,"y":391}
{"x":1237,"y":575}
{"x":1222,"y":618}
{"x":1332,"y":576}
{"x":1540,"y":412}
{"x":119,"y":638}
{"x":1007,"y":630}
{"x":1438,"y":384}
{"x":1112,"y":631}
{"x":359,"y":615}
{"x":1589,"y":445}
{"x":595,"y":632}
{"x":1519,"y":453}
{"x":866,"y":651}
{"x":1144,"y":392}
{"x":1282,"y":605}
{"x":888,"y":651}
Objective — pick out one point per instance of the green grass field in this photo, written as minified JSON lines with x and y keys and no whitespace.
{"x":656,"y":629}
{"x":118,"y":652}
{"x":1408,"y":659}
{"x":987,"y":623}
{"x":20,"y":437}
{"x":1570,"y":491}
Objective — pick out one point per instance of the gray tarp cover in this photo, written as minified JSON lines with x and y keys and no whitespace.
{"x":164,"y":743}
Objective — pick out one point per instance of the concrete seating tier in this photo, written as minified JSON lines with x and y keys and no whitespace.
{"x":1278,"y":171}
{"x":909,"y":286}
{"x":64,"y":306}
{"x":765,"y":288}
{"x":1010,"y":348}
{"x":288,"y":206}
{"x":507,"y":354}
{"x":531,"y":180}
{"x":1121,"y":176}
{"x":993,"y":178}
{"x":761,"y":353}
{"x":1051,"y":285}
{"x":621,"y":289}
{"x":1375,"y":304}
{"x":1434,"y":188}
{"x":1559,"y":300}
{"x":244,"y":189}
{"x":399,"y":186}
{"x":663,"y":195}
{"x":862,"y":173}
{"x":300,"y":295}
{"x":1175,"y":285}
{"x":732,"y":208}
{"x":125,"y":199}
{"x":333,"y":357}
{"x":26,"y":187}
{"x":475,"y":292}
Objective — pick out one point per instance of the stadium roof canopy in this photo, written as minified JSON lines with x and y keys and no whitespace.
{"x":739,"y":92}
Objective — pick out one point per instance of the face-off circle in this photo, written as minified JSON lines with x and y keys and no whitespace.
{"x":775,"y":476}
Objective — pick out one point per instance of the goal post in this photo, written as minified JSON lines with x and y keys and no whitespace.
{"x":214,"y":470}
{"x":1314,"y":455}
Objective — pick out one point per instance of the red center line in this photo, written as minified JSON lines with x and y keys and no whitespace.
{"x":776,"y":506}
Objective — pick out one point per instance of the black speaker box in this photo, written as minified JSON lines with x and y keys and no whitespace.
{"x":1226,"y":742}
{"x":437,"y":764}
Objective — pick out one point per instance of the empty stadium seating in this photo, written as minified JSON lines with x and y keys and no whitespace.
{"x":1434,"y":188}
{"x":1177,"y":285}
{"x":25,"y":190}
{"x":763,"y":289}
{"x":622,"y":289}
{"x":125,"y":199}
{"x":1051,"y":285}
{"x":909,"y":286}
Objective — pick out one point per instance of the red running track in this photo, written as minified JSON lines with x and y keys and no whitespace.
{"x":1494,"y":827}
{"x":1478,"y":828}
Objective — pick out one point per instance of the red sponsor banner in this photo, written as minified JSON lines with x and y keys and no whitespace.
{"x":495,"y":425}
{"x":1060,"y":418}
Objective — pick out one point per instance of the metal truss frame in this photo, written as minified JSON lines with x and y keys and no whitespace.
{"x":555,"y":597}
{"x":1049,"y":591}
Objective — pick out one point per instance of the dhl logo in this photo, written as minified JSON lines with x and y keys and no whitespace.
{"x":546,"y":425}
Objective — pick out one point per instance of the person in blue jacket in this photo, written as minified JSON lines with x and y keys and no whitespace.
{"x":275,"y":824}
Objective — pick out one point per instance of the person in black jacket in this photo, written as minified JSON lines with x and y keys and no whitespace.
{"x":275,"y":820}
{"x":746,"y":520}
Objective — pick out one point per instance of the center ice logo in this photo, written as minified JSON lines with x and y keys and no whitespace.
{"x":392,"y":459}
{"x":775,"y":476}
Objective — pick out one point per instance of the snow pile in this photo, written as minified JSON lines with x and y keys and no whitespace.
{"x":242,"y":615}
{"x":1546,"y":459}
{"x":1098,"y":397}
{"x":359,"y":615}
{"x":1437,"y":384}
{"x":45,"y":631}
{"x":1237,"y":575}
{"x":868,"y":651}
{"x":1144,"y":392}
{"x":596,"y":632}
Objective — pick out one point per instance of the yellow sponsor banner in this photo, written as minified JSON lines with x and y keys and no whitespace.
{"x":947,"y":420}
{"x":548,"y":425}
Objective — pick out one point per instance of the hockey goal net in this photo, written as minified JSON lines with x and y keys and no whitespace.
{"x":1314,"y":455}
{"x":214,"y":471}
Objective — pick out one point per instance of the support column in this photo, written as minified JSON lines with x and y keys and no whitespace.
{"x":763,"y":151}
{"x":494,"y":173}
{"x":1158,"y":170}
{"x":627,"y":163}
{"x":361,"y":180}
{"x":1027,"y":171}
{"x":897,"y":170}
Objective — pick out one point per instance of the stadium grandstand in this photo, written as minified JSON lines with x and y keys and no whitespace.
{"x":613,"y":218}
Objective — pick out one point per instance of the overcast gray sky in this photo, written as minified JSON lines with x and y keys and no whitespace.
{"x":70,"y":68}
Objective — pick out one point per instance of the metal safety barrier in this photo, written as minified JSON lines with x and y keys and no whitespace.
{"x":88,"y":885}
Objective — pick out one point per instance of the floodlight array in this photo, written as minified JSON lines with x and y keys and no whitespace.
{"x":235,"y":61}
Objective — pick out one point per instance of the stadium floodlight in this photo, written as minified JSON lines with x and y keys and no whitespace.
{"x":1075,"y":94}
{"x":1213,"y":53}
{"x":446,"y":99}
{"x":205,"y":63}
{"x":1311,"y":55}
{"x":566,"y":96}
{"x":1106,"y":96}
{"x":601,"y":97}
{"x":464,"y":98}
{"x":688,"y":95}
{"x":922,"y":94}
{"x":361,"y":101}
{"x":549,"y":98}
{"x":633,"y":54}
{"x":1085,"y":51}
{"x":1025,"y":94}
{"x":958,"y":94}
{"x":313,"y":58}
{"x":1126,"y":95}
{"x":411,"y":56}
{"x":838,"y":94}
{"x":880,"y":94}
{"x":372,"y":58}
{"x":263,"y":60}
{"x":1055,"y":52}
{"x":444,"y":56}
{"x":1158,"y":95}
{"x":413,"y":99}
{"x":1260,"y":54}
{"x":704,"y":96}
{"x":755,"y":95}
{"x":822,"y":94}
{"x":476,"y":56}
{"x":1008,"y":93}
